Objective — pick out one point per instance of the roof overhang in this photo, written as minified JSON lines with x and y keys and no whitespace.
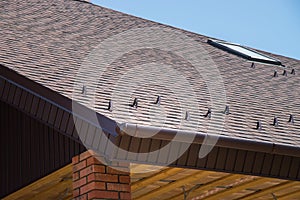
{"x":222,"y":141}
{"x":228,"y":155}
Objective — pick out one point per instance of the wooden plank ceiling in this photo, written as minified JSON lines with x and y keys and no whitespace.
{"x":154,"y":182}
{"x":57,"y":185}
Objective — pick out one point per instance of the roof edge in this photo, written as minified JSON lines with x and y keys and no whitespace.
{"x":141,"y":131}
{"x":113,"y":128}
{"x":62,"y":102}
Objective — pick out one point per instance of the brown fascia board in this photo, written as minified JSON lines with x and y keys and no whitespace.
{"x":62,"y":102}
{"x":222,"y":141}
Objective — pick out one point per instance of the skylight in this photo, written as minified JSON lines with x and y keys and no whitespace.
{"x":244,"y":52}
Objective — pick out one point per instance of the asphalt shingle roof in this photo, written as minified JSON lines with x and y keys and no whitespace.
{"x":47,"y":41}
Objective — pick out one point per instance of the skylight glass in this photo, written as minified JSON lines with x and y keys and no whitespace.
{"x":244,"y":52}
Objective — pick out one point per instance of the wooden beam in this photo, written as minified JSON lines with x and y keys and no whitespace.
{"x":293,"y":195}
{"x":210,"y":185}
{"x":178,"y":183}
{"x":56,"y":191}
{"x":240,"y":187}
{"x":143,"y":168}
{"x":40,"y":184}
{"x":269,"y":190}
{"x":156,"y":177}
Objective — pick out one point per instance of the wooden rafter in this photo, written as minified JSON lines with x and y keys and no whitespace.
{"x":58,"y":185}
{"x":269,"y":190}
{"x":141,"y":168}
{"x":293,"y":195}
{"x":177,"y":183}
{"x":209,"y":185}
{"x":156,"y":177}
{"x":60,"y":190}
{"x":240,"y":187}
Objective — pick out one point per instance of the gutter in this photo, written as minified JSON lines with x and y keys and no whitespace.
{"x":167,"y":134}
{"x":111,"y":127}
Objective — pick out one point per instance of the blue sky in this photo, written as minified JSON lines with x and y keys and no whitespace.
{"x":269,"y":25}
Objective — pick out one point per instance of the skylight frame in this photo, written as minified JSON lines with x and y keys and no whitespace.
{"x":259,"y":58}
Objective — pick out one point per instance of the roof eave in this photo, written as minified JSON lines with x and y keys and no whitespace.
{"x":140,"y":131}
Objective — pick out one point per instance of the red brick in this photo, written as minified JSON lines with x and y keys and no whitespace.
{"x":99,"y":168}
{"x":79,"y":166}
{"x":84,"y":155}
{"x":93,"y":161}
{"x":125,"y":195}
{"x":75,"y":160}
{"x":118,"y":187}
{"x":79,"y":183}
{"x":103,"y":177}
{"x":75,"y":176}
{"x":92,"y":186}
{"x":76,"y":192}
{"x":92,"y":179}
{"x":92,"y":169}
{"x":124,"y":179}
{"x":103,"y":194}
{"x":86,"y":171}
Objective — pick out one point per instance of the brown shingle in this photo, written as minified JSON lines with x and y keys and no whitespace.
{"x":47,"y":42}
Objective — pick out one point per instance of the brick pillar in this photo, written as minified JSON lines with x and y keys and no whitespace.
{"x":94,"y":180}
